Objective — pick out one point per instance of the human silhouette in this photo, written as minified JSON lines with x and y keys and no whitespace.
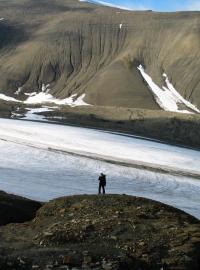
{"x":102,"y":183}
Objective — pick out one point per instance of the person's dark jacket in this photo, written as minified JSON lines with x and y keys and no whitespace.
{"x":102,"y":180}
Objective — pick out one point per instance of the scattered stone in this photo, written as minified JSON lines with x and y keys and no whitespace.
{"x":35,"y":266}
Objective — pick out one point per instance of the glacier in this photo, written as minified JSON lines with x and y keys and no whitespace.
{"x":43,"y":161}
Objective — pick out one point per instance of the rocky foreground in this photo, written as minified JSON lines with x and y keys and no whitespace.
{"x":110,"y":232}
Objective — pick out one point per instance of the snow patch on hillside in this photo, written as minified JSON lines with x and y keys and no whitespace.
{"x":7,"y":98}
{"x":45,"y":88}
{"x":43,"y":97}
{"x":168,"y":97}
{"x":19,"y":90}
{"x":32,"y":113}
{"x":30,"y":94}
{"x":103,"y":3}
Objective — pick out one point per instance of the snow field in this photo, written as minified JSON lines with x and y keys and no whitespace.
{"x":43,"y":175}
{"x":99,"y":144}
{"x":167,"y":97}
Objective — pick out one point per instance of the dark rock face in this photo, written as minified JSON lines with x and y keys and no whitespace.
{"x":15,"y":209}
{"x":79,"y":47}
{"x":110,"y":232}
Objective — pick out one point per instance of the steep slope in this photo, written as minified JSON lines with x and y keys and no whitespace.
{"x":79,"y":47}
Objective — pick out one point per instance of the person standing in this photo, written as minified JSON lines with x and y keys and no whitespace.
{"x":102,"y":183}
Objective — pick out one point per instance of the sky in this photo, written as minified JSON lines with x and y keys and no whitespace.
{"x":156,"y":5}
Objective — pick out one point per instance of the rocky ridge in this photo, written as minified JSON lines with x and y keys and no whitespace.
{"x":110,"y":232}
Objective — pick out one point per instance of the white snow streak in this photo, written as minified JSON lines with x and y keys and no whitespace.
{"x":167,"y":97}
{"x":80,"y":101}
{"x":7,"y":98}
{"x":45,"y":88}
{"x":179,"y":97}
{"x":32,"y":113}
{"x":103,"y":3}
{"x":30,"y":94}
{"x":43,"y":97}
{"x":19,"y":90}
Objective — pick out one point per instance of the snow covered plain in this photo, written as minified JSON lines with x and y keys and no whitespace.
{"x":43,"y":161}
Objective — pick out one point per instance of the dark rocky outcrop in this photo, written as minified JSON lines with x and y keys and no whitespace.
{"x":16,"y":209}
{"x":110,"y":232}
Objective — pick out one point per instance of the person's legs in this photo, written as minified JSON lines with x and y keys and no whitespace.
{"x":99,"y":188}
{"x":103,"y":187}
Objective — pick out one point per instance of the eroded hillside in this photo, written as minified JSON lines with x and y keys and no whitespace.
{"x":79,"y":48}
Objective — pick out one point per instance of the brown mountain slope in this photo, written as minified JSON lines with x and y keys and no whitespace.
{"x":81,"y":48}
